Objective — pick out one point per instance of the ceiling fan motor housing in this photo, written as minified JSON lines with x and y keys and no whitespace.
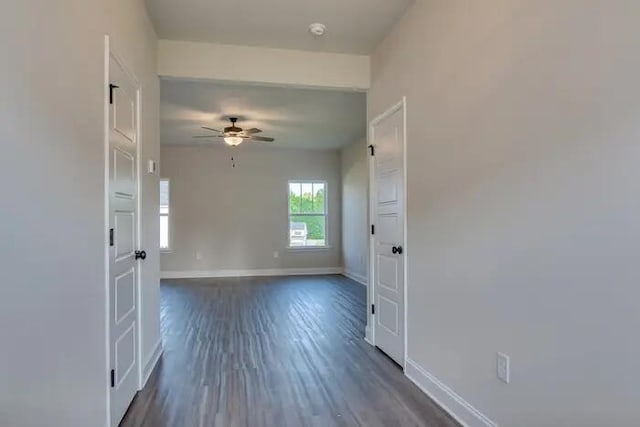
{"x":233,"y":129}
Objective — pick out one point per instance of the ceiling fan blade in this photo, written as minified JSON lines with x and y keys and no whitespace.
{"x":208,"y":136}
{"x":215,"y":130}
{"x":252,"y":131}
{"x":262,"y":138}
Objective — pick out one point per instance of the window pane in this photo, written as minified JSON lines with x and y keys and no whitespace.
{"x":164,"y":232}
{"x":164,"y":196}
{"x":294,"y":197}
{"x":307,"y":230}
{"x":306,"y":203}
{"x":164,"y":214}
{"x":318,"y":197}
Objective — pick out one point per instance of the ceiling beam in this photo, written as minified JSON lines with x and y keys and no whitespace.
{"x":282,"y":67}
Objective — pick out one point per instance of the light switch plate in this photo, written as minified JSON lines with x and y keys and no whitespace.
{"x":503,"y":368}
{"x":151,"y":166}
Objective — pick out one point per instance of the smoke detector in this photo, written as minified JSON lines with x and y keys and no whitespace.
{"x":317,"y":29}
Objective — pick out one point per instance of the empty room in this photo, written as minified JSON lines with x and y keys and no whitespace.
{"x":319,"y":213}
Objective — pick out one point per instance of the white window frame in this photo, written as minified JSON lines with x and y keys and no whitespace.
{"x":168,"y":215}
{"x":325,"y":214}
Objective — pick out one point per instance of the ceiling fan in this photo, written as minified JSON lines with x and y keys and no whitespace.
{"x":234,"y":135}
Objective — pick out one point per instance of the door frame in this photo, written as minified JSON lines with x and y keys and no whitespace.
{"x":370,"y":332}
{"x":109,"y":54}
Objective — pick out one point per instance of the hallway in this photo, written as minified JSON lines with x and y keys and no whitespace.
{"x":274,"y":351}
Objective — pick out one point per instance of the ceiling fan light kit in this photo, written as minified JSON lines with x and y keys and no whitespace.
{"x":233,"y":140}
{"x":234,"y":136}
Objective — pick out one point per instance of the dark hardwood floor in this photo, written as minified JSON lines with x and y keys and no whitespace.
{"x":274,"y":351}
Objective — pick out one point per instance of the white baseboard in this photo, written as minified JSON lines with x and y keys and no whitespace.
{"x":449,"y":400}
{"x":355,"y":276}
{"x":151,"y":362}
{"x":250,"y":273}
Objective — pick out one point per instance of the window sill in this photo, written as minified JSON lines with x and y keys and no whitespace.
{"x":308,"y":248}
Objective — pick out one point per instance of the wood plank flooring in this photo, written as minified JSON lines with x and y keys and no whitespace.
{"x":274,"y":351}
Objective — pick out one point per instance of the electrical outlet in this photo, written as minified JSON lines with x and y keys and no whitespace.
{"x":503,"y":367}
{"x":198,"y":255}
{"x":276,"y":254}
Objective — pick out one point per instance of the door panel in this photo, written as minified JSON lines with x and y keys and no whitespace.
{"x":124,"y":174}
{"x":124,"y":113}
{"x":125,"y":301}
{"x":388,"y":272}
{"x":388,"y":188}
{"x":125,"y":355}
{"x":124,"y":234}
{"x":389,"y":227}
{"x":388,"y":214}
{"x":389,"y":315}
{"x":123,"y":219}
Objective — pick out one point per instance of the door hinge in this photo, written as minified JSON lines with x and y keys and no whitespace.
{"x":113,"y":378}
{"x":373,"y":309}
{"x":111,"y":237}
{"x":373,"y":229}
{"x":111,"y":88}
{"x":373,"y":150}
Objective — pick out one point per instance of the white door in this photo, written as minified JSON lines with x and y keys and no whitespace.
{"x":387,"y":206}
{"x":123,"y":264}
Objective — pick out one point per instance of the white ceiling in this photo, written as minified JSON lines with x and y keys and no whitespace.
{"x":296,"y":118}
{"x":353,"y":26}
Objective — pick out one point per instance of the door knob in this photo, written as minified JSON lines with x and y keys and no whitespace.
{"x":141,"y":255}
{"x":396,"y":250}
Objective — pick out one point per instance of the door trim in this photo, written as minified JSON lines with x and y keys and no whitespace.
{"x":110,"y":53}
{"x":371,"y":324}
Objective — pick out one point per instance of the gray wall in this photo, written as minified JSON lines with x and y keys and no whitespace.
{"x":53,"y":361}
{"x":523,"y":202}
{"x":355,"y":209}
{"x":237,"y":217}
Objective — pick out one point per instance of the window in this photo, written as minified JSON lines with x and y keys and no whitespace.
{"x":164,"y":214}
{"x":307,"y":214}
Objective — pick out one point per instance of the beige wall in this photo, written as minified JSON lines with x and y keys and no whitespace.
{"x":53,"y":364}
{"x":355,"y":209}
{"x":523,"y":202}
{"x":236,"y":218}
{"x":289,"y":67}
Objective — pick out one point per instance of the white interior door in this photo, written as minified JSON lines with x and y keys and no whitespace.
{"x":123,"y":223}
{"x":387,"y":197}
